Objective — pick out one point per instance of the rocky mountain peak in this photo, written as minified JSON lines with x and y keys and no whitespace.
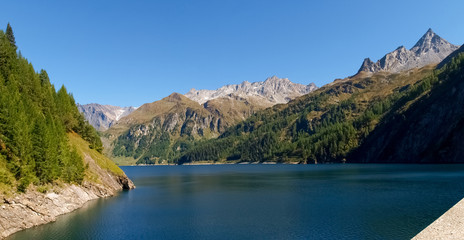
{"x":427,"y":38}
{"x":273,"y":90}
{"x":431,"y":42}
{"x":101,"y":117}
{"x":368,"y":66}
{"x":430,"y":49}
{"x":275,"y":79}
{"x":175,"y":97}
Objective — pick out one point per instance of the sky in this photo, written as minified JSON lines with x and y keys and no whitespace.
{"x":128,"y":53}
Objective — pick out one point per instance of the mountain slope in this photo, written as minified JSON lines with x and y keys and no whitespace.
{"x":430,"y":49}
{"x":430,"y":130}
{"x":101,"y":117}
{"x":158,"y":132}
{"x":323,"y":126}
{"x":272,"y":91}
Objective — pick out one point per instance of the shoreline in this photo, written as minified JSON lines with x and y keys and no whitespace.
{"x":20,"y":211}
{"x":25,"y":210}
{"x":450,"y":225}
{"x":212,"y":163}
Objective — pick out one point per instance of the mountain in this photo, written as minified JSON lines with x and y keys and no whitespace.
{"x":272,"y":91}
{"x":428,"y":131}
{"x":430,"y":49}
{"x":160,"y":131}
{"x":322,"y":126}
{"x":411,"y":116}
{"x":101,"y":117}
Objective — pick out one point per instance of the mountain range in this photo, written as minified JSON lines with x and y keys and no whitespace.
{"x":263,"y":94}
{"x":277,"y":120}
{"x":101,"y":117}
{"x":430,"y":49}
{"x":272,"y":91}
{"x":402,"y":116}
{"x":163,"y":129}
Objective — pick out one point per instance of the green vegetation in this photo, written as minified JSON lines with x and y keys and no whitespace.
{"x":34,"y":120}
{"x":159,"y":132}
{"x":323,"y":126}
{"x":83,"y":149}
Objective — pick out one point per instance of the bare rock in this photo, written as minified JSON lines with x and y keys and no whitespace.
{"x":273,"y":90}
{"x":430,"y":49}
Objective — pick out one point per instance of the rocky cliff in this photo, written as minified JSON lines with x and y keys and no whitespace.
{"x":19,"y":211}
{"x":272,"y":91}
{"x":101,"y":117}
{"x":430,"y":49}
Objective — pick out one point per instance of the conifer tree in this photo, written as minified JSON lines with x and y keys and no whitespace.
{"x":10,"y":35}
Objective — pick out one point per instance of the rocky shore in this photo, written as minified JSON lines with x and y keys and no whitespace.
{"x":33,"y":208}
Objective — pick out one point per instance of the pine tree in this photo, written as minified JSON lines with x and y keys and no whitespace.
{"x":10,"y":35}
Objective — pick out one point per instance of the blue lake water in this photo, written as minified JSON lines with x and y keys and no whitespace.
{"x":340,"y":201}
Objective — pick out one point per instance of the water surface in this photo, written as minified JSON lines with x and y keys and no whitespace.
{"x":350,"y":201}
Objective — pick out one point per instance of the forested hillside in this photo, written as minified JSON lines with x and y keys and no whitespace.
{"x":430,"y":130}
{"x":34,"y":122}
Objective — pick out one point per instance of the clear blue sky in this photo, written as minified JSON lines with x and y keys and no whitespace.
{"x":132,"y":52}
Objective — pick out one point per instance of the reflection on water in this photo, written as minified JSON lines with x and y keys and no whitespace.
{"x":266,"y":202}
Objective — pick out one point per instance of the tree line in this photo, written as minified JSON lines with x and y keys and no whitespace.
{"x":34,"y":121}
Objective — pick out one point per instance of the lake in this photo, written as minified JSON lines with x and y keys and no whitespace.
{"x":338,"y":201}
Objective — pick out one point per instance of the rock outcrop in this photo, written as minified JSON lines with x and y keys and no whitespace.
{"x":102,"y":117}
{"x":430,"y":49}
{"x":273,"y":90}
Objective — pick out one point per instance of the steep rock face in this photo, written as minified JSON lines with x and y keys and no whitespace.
{"x":101,"y":117}
{"x":429,"y":131}
{"x":430,"y":49}
{"x":273,"y":91}
{"x":158,"y":131}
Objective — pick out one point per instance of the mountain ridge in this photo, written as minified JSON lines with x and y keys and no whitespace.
{"x":101,"y":117}
{"x":429,"y":49}
{"x":274,"y":90}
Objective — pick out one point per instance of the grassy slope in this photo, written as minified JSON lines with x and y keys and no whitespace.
{"x":83,"y":149}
